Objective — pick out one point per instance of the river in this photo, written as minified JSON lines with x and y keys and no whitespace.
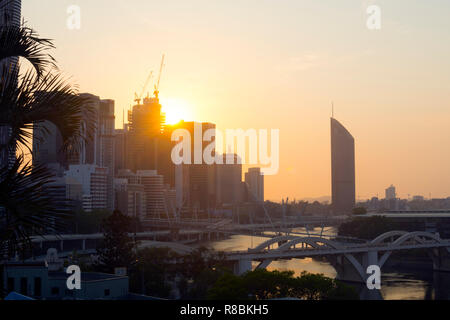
{"x":399,"y":284}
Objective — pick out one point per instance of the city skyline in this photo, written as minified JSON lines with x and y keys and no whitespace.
{"x":399,"y":136}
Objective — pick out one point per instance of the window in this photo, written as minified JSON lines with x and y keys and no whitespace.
{"x":11,"y":286}
{"x":24,"y":286}
{"x":107,"y":292}
{"x":55,"y":291}
{"x":37,"y":287}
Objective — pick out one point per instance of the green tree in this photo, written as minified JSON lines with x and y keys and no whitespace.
{"x":116,"y":248}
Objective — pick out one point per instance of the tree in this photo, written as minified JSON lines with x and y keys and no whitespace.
{"x":154,"y":269}
{"x":116,"y":248}
{"x":261,"y":284}
{"x":26,"y":100}
{"x":359,"y":211}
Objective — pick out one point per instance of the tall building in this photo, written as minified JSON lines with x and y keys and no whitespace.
{"x":99,"y":151}
{"x":228,"y":180}
{"x":120,"y":149}
{"x":154,"y":193}
{"x":129,"y":198}
{"x":146,"y":123}
{"x":10,"y":15}
{"x":390,"y":193}
{"x":106,"y":157}
{"x":47,"y":144}
{"x":255,"y":182}
{"x":10,"y":12}
{"x":94,"y":183}
{"x":196,"y":183}
{"x":342,"y":169}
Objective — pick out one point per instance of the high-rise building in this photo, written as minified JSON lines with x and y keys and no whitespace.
{"x":342,"y":169}
{"x":10,"y":15}
{"x":196,"y":183}
{"x":130,"y":198}
{"x":10,"y":12}
{"x":154,"y":193}
{"x":120,"y":149}
{"x":94,"y":183}
{"x":390,"y":193}
{"x":146,"y":123}
{"x":106,"y":131}
{"x":98,"y":151}
{"x":255,"y":182}
{"x":228,"y":180}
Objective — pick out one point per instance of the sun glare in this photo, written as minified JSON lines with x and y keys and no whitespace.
{"x":175,"y":109}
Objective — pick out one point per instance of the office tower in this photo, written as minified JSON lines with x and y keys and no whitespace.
{"x":228,"y":180}
{"x":98,"y":151}
{"x":47,"y":144}
{"x":10,"y":12}
{"x":255,"y":182}
{"x":196,"y":183}
{"x":146,"y":123}
{"x":120,"y":149}
{"x":106,"y":154}
{"x":390,"y":193}
{"x":94,"y":182}
{"x":154,"y":193}
{"x":342,"y":169}
{"x":129,"y":198}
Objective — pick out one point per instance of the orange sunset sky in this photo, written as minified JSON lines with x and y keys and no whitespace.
{"x":278,"y":65}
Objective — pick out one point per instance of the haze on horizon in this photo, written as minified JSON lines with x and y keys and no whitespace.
{"x":278,"y":65}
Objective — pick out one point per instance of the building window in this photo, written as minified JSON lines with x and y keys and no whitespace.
{"x":11,"y":286}
{"x":55,"y":291}
{"x":107,"y":292}
{"x":24,"y":286}
{"x":37,"y":287}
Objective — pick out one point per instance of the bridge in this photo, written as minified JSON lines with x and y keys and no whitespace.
{"x":349,"y":259}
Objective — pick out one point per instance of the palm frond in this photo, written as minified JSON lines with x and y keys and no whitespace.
{"x":24,"y":42}
{"x":34,"y":100}
{"x":28,"y":206}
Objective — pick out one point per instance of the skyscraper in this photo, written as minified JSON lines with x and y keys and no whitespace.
{"x":10,"y":12}
{"x":146,"y":123}
{"x":228,"y":180}
{"x":255,"y":183}
{"x":342,"y":169}
{"x":390,"y":193}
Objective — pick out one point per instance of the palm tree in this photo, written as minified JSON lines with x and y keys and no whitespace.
{"x":34,"y":97}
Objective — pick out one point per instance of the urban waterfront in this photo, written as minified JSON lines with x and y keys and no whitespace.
{"x":405,"y":283}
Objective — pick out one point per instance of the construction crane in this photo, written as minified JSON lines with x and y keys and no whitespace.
{"x":156,"y":92}
{"x":137,"y":97}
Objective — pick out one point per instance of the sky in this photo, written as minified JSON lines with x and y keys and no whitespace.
{"x":278,"y":64}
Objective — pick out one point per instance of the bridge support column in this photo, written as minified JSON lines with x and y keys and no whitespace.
{"x":441,"y":259}
{"x":352,"y":267}
{"x":84,"y":244}
{"x":242,"y":266}
{"x":61,"y":245}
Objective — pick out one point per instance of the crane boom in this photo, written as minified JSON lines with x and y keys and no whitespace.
{"x":159,"y":77}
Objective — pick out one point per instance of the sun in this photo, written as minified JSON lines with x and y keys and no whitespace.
{"x":175,"y":110}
